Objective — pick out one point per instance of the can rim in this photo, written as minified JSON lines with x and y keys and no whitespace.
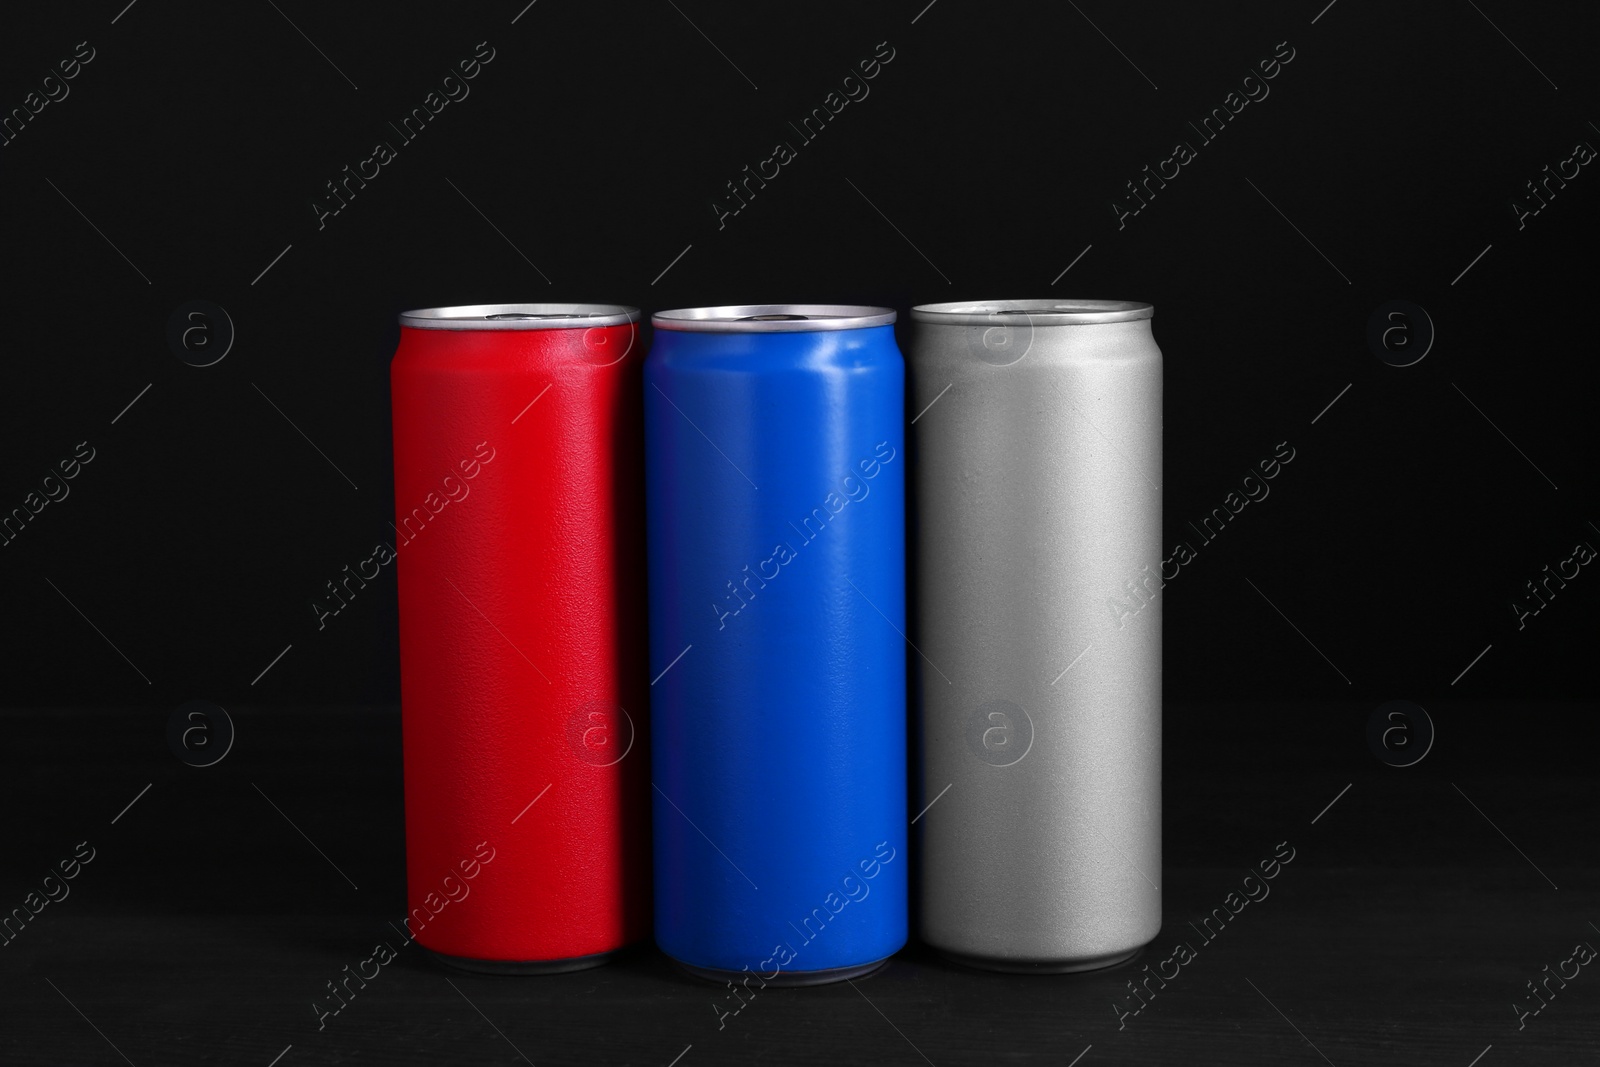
{"x":1041,"y":312}
{"x":773,"y":318}
{"x":540,"y":316}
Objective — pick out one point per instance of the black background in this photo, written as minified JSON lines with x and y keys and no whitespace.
{"x":1382,"y":166}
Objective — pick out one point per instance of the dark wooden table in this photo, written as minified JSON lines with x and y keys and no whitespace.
{"x":221,"y":900}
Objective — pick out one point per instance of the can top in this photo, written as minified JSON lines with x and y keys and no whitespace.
{"x":772,"y":318}
{"x":1037,"y":312}
{"x":520,"y":317}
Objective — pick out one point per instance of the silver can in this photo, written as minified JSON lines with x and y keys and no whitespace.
{"x":1035,"y":465}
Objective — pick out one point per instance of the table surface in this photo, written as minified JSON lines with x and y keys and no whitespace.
{"x":220,"y":900}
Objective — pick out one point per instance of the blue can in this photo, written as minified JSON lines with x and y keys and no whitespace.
{"x":775,"y":466}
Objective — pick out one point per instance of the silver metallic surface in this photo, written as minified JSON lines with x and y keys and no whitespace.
{"x":773,"y":318}
{"x":519,"y":317}
{"x":1036,"y":555}
{"x":1038,"y":312}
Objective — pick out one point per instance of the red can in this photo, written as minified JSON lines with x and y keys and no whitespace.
{"x":519,"y":510}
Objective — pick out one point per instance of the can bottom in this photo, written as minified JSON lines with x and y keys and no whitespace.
{"x":1086,"y":963}
{"x":786,"y":978}
{"x":520,"y":967}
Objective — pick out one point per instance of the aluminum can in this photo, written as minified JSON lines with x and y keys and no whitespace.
{"x":776,"y":515}
{"x":519,"y":545}
{"x":1036,"y":546}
